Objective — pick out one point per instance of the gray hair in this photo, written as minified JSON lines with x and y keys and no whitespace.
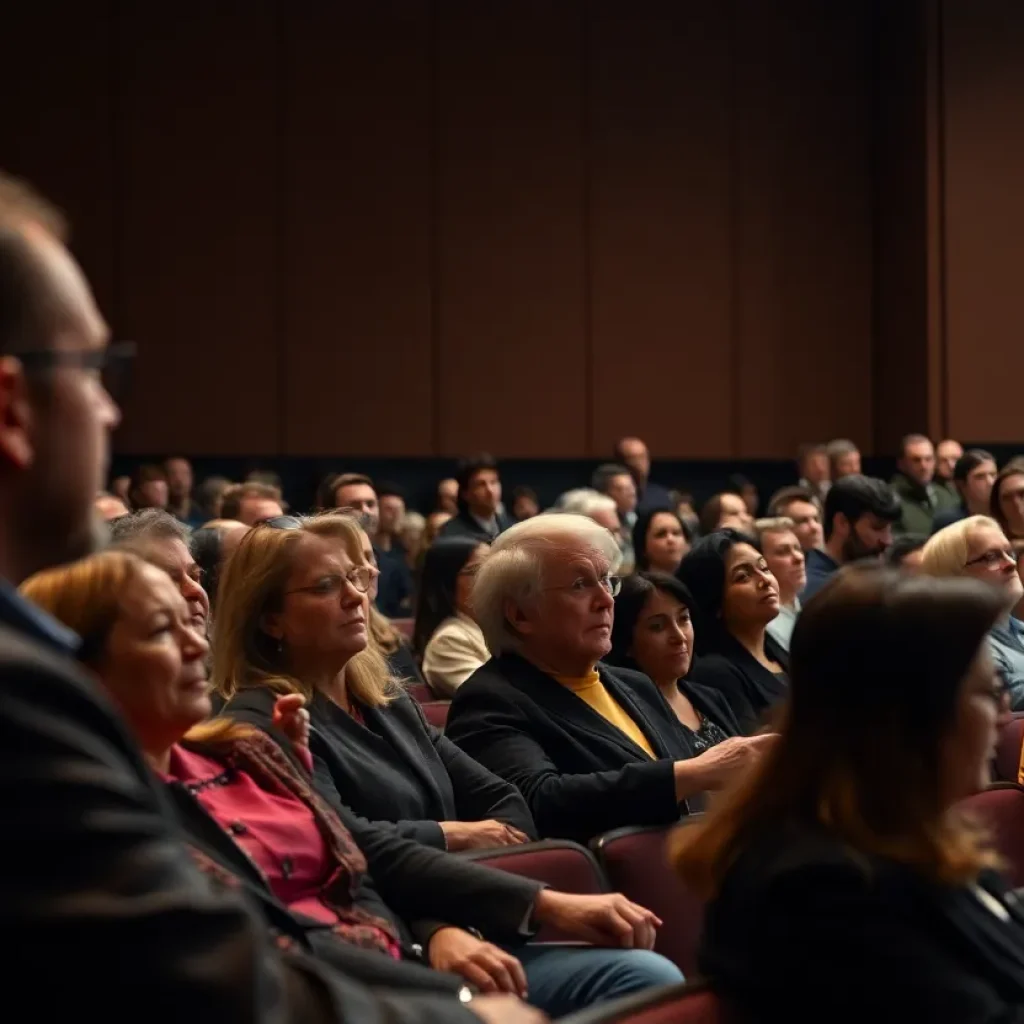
{"x":514,"y":570}
{"x":146,"y":525}
{"x":585,"y":501}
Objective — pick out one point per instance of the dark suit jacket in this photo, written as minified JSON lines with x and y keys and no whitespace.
{"x":804,"y":930}
{"x":750,"y":689}
{"x":579,"y":774}
{"x":96,"y":882}
{"x":394,"y":768}
{"x":464,"y":525}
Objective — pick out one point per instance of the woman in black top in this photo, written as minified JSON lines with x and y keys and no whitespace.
{"x":843,"y":883}
{"x":294,"y":618}
{"x":735,"y":596}
{"x":653,"y":633}
{"x":660,"y":539}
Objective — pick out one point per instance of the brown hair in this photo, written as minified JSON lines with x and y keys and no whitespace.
{"x":233,"y":496}
{"x":1015,"y":467}
{"x":252,"y":585}
{"x":877,"y":663}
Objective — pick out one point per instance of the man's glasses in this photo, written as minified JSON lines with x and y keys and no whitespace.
{"x":113,"y":363}
{"x":359,"y":579}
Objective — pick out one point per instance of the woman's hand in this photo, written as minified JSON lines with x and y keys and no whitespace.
{"x":486,"y":967}
{"x":292,"y":718}
{"x":716,"y":767}
{"x":600,"y":920}
{"x":504,"y":1010}
{"x":480,"y":835}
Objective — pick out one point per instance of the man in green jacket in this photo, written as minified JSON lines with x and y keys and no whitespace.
{"x":914,"y":484}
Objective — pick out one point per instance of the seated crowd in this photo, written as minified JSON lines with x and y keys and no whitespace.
{"x":219,"y":775}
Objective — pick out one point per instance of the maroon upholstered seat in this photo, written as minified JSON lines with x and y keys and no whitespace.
{"x":436,"y":712}
{"x":1011,"y":736}
{"x":404,"y":626}
{"x":420,"y":693}
{"x":1001,"y":808}
{"x":676,"y":1004}
{"x":635,"y":863}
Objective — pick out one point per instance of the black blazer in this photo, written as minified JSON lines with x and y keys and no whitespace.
{"x":711,"y":703}
{"x":464,"y":525}
{"x":95,"y":878}
{"x":804,"y":930}
{"x":748,"y":687}
{"x":395,"y":769}
{"x":579,"y":774}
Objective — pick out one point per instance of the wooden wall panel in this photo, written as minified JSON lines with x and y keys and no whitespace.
{"x":660,"y":218}
{"x":356,"y":215}
{"x":803,"y":225}
{"x":983,"y":98}
{"x":197,"y":185}
{"x":510,"y":223}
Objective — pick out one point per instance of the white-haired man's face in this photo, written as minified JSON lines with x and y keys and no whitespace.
{"x":567,"y":629}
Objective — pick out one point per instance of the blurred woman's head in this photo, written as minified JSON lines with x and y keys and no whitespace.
{"x":660,"y":539}
{"x":1007,"y":498}
{"x":653,"y":630}
{"x":446,"y":584}
{"x":891,"y":720}
{"x":295,"y":609}
{"x":138,"y":636}
{"x":733,"y":589}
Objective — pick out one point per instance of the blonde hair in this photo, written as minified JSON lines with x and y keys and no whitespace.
{"x":774,"y":524}
{"x":946,"y":552}
{"x":514,"y":570}
{"x":253,"y":585}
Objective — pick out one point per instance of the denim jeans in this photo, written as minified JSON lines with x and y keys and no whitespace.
{"x":562,"y":979}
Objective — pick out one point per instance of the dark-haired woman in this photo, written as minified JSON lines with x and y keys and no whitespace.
{"x":660,"y":539}
{"x":735,"y":597}
{"x":446,"y":637}
{"x":1006,"y":501}
{"x":843,"y":883}
{"x":653,"y":633}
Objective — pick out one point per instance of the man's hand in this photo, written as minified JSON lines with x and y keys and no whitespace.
{"x":480,"y":835}
{"x":484,"y":966}
{"x":600,"y":920}
{"x":504,"y":1010}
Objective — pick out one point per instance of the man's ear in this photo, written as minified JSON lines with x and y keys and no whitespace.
{"x":517,"y":619}
{"x":841,"y":524}
{"x":16,"y":418}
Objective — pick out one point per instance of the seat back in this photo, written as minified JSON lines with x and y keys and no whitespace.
{"x":636,"y":864}
{"x":1001,"y":809}
{"x":404,"y":626}
{"x":1008,"y":749}
{"x":562,"y":865}
{"x":420,"y":693}
{"x":691,"y":1003}
{"x":436,"y":712}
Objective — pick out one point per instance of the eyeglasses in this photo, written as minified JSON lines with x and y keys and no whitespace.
{"x":281,"y":522}
{"x":995,"y":557}
{"x":359,"y":579}
{"x":612,"y":584}
{"x":113,"y":363}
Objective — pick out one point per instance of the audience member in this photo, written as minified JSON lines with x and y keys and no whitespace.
{"x":524,"y":504}
{"x":251,"y":503}
{"x":798,"y":504}
{"x":390,"y":516}
{"x":159,"y":538}
{"x":180,"y":481}
{"x":435,"y":523}
{"x":591,"y":748}
{"x":412,"y":533}
{"x":660,"y":539}
{"x":212,"y":545}
{"x":479,"y":515}
{"x":148,"y":488}
{"x":99,"y":875}
{"x":726,"y":511}
{"x":859,"y":515}
{"x":735,"y":597}
{"x":978,"y":547}
{"x":747,"y":490}
{"x":652,"y":632}
{"x":109,"y":506}
{"x":268,"y":477}
{"x":785,"y":558}
{"x":843,"y":459}
{"x":242,"y":804}
{"x":947,"y":454}
{"x":683,"y":503}
{"x":972,"y":480}
{"x":632,"y":453}
{"x":815,"y":471}
{"x":842,"y":883}
{"x":446,"y":636}
{"x":120,"y":486}
{"x":210,"y":495}
{"x":616,"y":481}
{"x":447,"y":496}
{"x":355,"y":492}
{"x":585,"y":501}
{"x":1006,"y":503}
{"x":915,"y":486}
{"x":293,"y":619}
{"x":906,"y":552}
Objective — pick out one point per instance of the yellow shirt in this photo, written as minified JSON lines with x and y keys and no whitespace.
{"x":592,"y":691}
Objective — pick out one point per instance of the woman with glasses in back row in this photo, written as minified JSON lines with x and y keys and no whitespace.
{"x":591,"y":748}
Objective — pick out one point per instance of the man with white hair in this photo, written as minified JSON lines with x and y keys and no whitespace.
{"x":590,"y":748}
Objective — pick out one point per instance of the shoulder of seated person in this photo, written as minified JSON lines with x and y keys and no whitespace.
{"x":252,"y":698}
{"x":629,"y":676}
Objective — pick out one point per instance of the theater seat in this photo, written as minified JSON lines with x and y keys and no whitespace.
{"x":1001,"y":808}
{"x":561,"y":864}
{"x":635,"y":863}
{"x":404,"y":626}
{"x":692,"y":1003}
{"x":436,"y":712}
{"x":420,"y":693}
{"x":1011,"y":736}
